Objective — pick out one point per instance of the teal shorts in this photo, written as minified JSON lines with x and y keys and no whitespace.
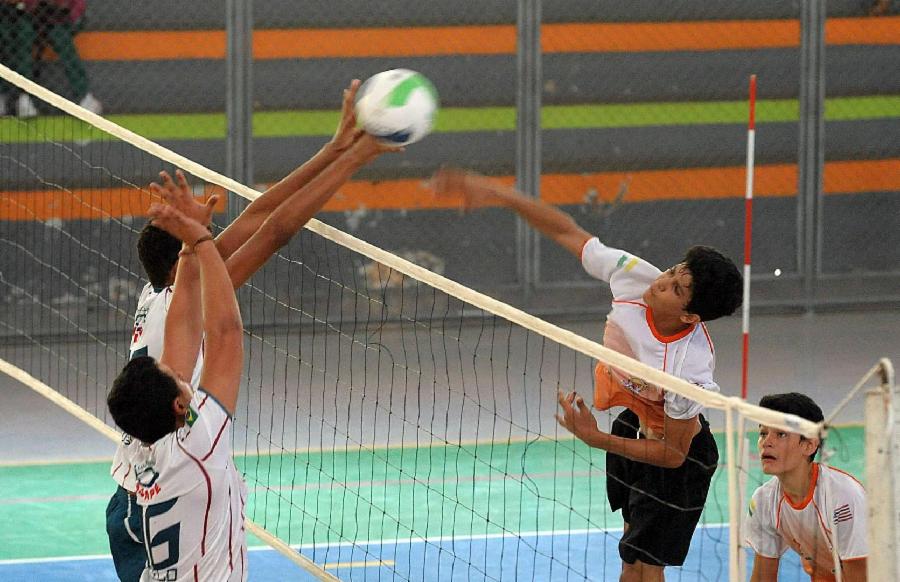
{"x":126,"y":536}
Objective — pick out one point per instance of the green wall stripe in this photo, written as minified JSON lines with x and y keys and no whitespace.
{"x":194,"y":126}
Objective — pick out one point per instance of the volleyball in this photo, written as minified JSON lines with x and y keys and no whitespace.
{"x":398,"y":106}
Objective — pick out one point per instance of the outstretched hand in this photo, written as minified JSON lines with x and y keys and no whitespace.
{"x":370,"y":147}
{"x":576,"y":416}
{"x":473,"y":190}
{"x":347,"y":133}
{"x":177,"y":193}
{"x":176,"y":223}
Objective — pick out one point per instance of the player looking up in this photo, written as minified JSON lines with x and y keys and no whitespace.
{"x":806,"y":506}
{"x":660,"y":453}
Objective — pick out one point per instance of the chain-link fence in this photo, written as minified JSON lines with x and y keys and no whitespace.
{"x":642,"y":131}
{"x":645,"y":125}
{"x":858,"y":229}
{"x":305,"y":54}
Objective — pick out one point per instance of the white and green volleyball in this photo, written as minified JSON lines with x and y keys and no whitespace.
{"x":398,"y":106}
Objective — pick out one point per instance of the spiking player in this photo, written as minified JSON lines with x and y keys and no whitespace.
{"x":302,"y":193}
{"x":806,"y":506}
{"x":660,"y":453}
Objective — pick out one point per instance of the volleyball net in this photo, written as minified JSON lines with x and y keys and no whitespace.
{"x":392,"y":423}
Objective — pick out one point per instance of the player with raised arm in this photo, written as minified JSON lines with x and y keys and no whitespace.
{"x":272,"y":219}
{"x":806,"y":506}
{"x":660,"y":453}
{"x":189,"y":491}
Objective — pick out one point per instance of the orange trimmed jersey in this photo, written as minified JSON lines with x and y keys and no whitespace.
{"x":630,"y":330}
{"x":832,"y":513}
{"x":192,"y":499}
{"x":147,"y":337}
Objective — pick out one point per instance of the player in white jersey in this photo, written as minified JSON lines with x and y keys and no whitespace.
{"x":271,"y":219}
{"x":811,"y":508}
{"x":189,"y":491}
{"x":660,"y":453}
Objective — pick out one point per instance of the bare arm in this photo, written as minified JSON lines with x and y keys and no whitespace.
{"x":243,"y":227}
{"x":764,"y":569}
{"x":670,"y":453}
{"x":184,"y":321}
{"x":224,"y":354}
{"x":221,"y":317}
{"x":479,"y":190}
{"x":295,"y":212}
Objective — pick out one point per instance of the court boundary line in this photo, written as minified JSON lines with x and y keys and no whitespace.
{"x":395,"y":541}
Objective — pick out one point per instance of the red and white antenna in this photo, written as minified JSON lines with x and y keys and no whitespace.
{"x":748,"y":236}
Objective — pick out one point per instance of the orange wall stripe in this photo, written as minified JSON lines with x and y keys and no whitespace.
{"x":82,"y":203}
{"x":774,"y":180}
{"x":151,"y":45}
{"x":483,"y":40}
{"x":867,"y":31}
{"x":674,"y":36}
{"x":384,"y":42}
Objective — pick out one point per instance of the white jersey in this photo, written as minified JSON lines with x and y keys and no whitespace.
{"x":630,"y":330}
{"x":834,"y":510}
{"x":146,"y":340}
{"x":192,"y":499}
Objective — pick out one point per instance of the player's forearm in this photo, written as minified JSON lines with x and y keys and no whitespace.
{"x":224,"y":352}
{"x":221,"y":316}
{"x":293,"y":214}
{"x":249,"y":221}
{"x":650,"y":451}
{"x":549,"y":220}
{"x":184,"y":321}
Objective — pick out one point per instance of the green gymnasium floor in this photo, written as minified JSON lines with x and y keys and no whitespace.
{"x":57,"y":509}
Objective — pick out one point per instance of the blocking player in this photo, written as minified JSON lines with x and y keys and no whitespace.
{"x":190,"y":493}
{"x":152,"y":401}
{"x":660,"y":453}
{"x":808,"y":507}
{"x":304,"y":192}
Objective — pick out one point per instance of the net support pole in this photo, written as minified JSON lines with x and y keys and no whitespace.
{"x":748,"y":237}
{"x":734,"y":535}
{"x":743,"y":470}
{"x":881,"y":563}
{"x":892,"y":444}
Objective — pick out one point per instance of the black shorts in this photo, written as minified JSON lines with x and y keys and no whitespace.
{"x":123,"y":526}
{"x":661,"y":506}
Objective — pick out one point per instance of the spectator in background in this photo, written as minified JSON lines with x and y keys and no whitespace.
{"x":880,"y":8}
{"x":35,"y":24}
{"x":9,"y":17}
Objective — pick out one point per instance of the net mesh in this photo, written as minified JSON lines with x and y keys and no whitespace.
{"x":388,"y":427}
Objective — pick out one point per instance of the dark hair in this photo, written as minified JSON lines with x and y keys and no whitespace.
{"x":716,"y":283}
{"x":797,"y":404}
{"x":158,"y":252}
{"x":141,"y":400}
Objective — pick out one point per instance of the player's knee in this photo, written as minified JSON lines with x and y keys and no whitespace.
{"x":641,"y":572}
